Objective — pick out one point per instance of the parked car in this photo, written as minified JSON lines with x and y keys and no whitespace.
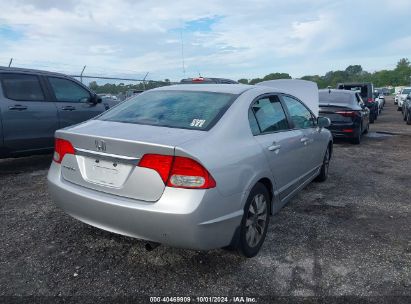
{"x":365,"y":89}
{"x":380,"y":99}
{"x":402,"y":96}
{"x":407,"y":109}
{"x":34,"y":104}
{"x":348,"y":114}
{"x":207,"y":80}
{"x":193,"y":166}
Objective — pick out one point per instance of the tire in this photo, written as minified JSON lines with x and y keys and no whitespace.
{"x":254,"y":223}
{"x":322,"y":177}
{"x":357,"y":140}
{"x":367,"y":129}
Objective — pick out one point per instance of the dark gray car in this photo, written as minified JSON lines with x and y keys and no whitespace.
{"x":34,"y":104}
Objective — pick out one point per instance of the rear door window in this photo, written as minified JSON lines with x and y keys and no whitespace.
{"x":176,"y":109}
{"x":268,"y":116}
{"x":300,"y":115}
{"x":22,"y":87}
{"x":68,"y":91}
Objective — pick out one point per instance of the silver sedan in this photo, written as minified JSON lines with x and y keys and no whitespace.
{"x":193,"y":166}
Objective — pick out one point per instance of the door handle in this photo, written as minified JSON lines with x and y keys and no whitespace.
{"x":274,"y":147}
{"x":18,"y":108}
{"x":68,"y":108}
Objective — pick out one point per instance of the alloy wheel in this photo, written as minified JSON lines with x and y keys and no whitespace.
{"x":256,"y":220}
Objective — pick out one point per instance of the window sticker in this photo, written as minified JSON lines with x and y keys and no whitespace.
{"x":197,"y":123}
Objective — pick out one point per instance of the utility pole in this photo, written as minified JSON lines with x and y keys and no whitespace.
{"x":11,"y":60}
{"x":81,"y":75}
{"x":144,"y":81}
{"x":182,"y":52}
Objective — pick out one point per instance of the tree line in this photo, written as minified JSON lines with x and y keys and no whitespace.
{"x":399,"y":76}
{"x":115,"y":89}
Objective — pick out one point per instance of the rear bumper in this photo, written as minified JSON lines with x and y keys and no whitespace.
{"x":195,"y":219}
{"x":348,"y":130}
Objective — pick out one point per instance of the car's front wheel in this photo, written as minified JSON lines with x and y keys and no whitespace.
{"x":255,"y":220}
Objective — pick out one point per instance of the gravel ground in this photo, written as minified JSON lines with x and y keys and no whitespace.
{"x":349,"y":236}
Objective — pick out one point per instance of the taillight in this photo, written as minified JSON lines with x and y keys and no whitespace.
{"x":61,"y":148}
{"x":347,"y":113}
{"x":179,"y":172}
{"x":160,"y":163}
{"x":187,"y":173}
{"x":370,"y":100}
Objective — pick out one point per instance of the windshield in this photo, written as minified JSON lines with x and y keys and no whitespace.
{"x":334,"y":97}
{"x":174,"y":109}
{"x":406,"y":91}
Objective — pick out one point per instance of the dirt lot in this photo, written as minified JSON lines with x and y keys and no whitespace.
{"x":349,"y":236}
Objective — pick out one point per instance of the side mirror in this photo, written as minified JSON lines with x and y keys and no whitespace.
{"x":95,"y":99}
{"x":323,"y":122}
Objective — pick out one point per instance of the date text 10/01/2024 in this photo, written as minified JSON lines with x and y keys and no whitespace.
{"x":240,"y":299}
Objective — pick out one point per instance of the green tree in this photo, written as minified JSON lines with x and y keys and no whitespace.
{"x":274,"y":76}
{"x":354,"y":69}
{"x":243,"y":80}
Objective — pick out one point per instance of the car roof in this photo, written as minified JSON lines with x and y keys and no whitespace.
{"x":216,"y":88}
{"x":354,"y":83}
{"x":4,"y":69}
{"x":336,"y":91}
{"x":208,"y":80}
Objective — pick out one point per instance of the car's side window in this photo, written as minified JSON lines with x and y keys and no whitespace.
{"x":68,"y":91}
{"x":22,"y":87}
{"x":300,"y":115}
{"x":268,"y":116}
{"x":253,"y":123}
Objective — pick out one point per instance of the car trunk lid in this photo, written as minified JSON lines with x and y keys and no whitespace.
{"x":108,"y":153}
{"x":336,"y":113}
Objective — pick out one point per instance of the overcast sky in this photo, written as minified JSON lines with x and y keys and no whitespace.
{"x":222,"y":38}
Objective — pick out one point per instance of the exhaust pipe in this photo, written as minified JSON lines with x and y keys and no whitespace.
{"x":150,"y":246}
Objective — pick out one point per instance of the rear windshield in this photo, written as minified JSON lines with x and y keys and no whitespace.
{"x":406,"y":91}
{"x":333,"y":97}
{"x":174,"y":109}
{"x":361,"y":89}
